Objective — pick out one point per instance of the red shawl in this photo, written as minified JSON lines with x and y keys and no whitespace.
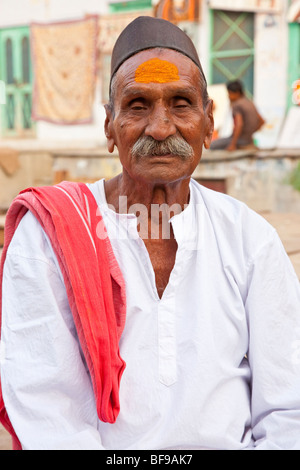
{"x":69,"y":215}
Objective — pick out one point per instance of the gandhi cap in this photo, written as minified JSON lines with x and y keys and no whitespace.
{"x":146,"y":32}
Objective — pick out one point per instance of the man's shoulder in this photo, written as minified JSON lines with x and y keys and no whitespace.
{"x":213,"y":198}
{"x":243,"y":104}
{"x":240,"y":232}
{"x":30,"y":241}
{"x":227,"y":211}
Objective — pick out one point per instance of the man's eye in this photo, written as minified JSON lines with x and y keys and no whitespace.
{"x":137,"y":105}
{"x":181,"y":103}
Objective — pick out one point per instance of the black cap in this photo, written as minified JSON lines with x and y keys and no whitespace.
{"x":146,"y":32}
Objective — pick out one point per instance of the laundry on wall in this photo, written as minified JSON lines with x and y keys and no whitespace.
{"x":64,"y":62}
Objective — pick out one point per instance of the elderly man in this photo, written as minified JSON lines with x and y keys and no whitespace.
{"x":207,"y":356}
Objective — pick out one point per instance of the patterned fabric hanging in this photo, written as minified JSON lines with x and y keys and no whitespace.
{"x":110,"y":27}
{"x":64,"y":60}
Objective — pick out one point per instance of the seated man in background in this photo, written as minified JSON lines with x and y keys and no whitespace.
{"x":246,"y":120}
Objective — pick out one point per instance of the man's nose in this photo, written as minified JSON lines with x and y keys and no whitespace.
{"x":160,"y":124}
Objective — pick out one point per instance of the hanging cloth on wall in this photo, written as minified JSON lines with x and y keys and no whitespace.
{"x":64,"y":61}
{"x":110,"y":28}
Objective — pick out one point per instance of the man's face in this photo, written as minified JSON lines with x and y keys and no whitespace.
{"x":158,"y":99}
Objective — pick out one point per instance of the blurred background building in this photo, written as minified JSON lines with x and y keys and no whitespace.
{"x":55,"y":64}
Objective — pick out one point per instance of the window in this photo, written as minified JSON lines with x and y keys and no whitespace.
{"x":294,"y":58}
{"x":15,"y":71}
{"x":25,"y":60}
{"x":9,"y":61}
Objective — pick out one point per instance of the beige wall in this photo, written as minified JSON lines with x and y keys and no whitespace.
{"x":35,"y":169}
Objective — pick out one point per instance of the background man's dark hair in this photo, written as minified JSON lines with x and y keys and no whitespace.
{"x":235,"y":86}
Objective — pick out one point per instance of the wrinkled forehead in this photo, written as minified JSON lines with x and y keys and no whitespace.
{"x":156,"y":71}
{"x":157,"y":66}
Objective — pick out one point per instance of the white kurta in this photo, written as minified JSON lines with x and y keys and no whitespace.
{"x":187,"y":384}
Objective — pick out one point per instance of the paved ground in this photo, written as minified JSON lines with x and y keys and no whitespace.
{"x":288,"y":228}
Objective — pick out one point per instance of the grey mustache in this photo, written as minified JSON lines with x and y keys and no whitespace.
{"x":147,"y":146}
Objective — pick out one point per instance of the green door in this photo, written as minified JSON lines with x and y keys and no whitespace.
{"x":294,"y":58}
{"x":232,"y":48}
{"x":16,"y":72}
{"x":117,"y":7}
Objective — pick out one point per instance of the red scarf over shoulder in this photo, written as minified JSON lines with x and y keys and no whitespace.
{"x":69,"y":214}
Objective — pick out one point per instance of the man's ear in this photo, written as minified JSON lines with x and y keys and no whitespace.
{"x":108,"y":128}
{"x":209,"y":123}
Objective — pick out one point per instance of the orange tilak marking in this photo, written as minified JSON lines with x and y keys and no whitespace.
{"x":156,"y":71}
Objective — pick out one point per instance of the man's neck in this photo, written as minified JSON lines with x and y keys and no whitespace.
{"x":123,"y":193}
